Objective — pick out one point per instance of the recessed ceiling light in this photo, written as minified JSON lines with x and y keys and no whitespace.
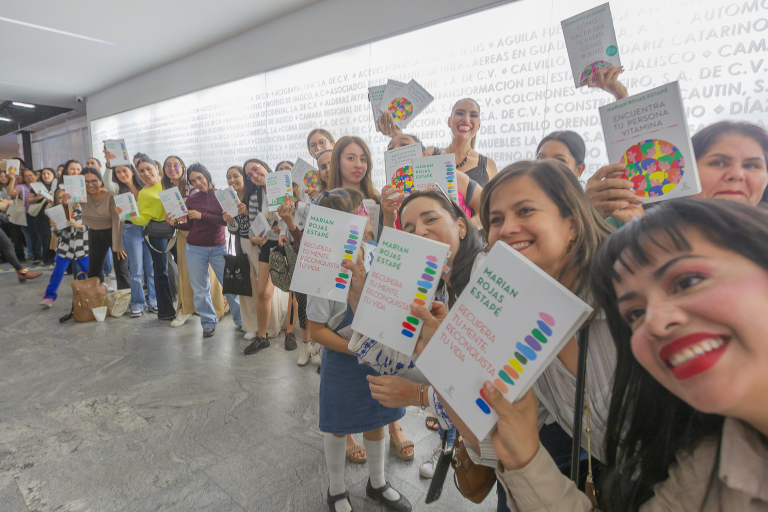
{"x":20,"y":104}
{"x":5,"y":119}
{"x":32,"y":25}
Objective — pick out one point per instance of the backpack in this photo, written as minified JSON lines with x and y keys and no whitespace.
{"x":88,"y":294}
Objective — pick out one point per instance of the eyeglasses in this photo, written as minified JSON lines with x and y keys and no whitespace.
{"x":175,"y":167}
{"x":91,"y":182}
{"x":321,"y":143}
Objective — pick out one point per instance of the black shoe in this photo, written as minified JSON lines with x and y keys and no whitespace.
{"x":256,"y":345}
{"x":318,"y":368}
{"x":333,"y":499}
{"x":401,"y":505}
{"x":290,"y":341}
{"x":207,"y":333}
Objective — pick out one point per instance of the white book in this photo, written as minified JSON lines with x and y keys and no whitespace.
{"x":437,"y":169}
{"x":129,"y":208}
{"x":590,"y":39}
{"x":406,"y":271}
{"x":374,"y":96}
{"x":228,"y":200}
{"x":304,"y":175}
{"x":119,"y":150}
{"x":260,"y":225}
{"x":405,"y":103}
{"x":369,"y":254}
{"x":330,"y":237}
{"x":39,"y":189}
{"x":398,"y":168}
{"x":279,"y":183}
{"x":374,"y":214}
{"x":507,"y":326}
{"x":173,"y":202}
{"x":74,"y":186}
{"x":12,"y":166}
{"x":58,"y":216}
{"x":648,"y":133}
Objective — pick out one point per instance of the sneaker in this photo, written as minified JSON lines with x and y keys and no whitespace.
{"x":427,"y":469}
{"x":316,"y":347}
{"x":152,"y":309}
{"x":207,"y":333}
{"x":137,"y":313}
{"x":304,"y":353}
{"x":47,"y":302}
{"x":290,"y":341}
{"x":256,"y":345}
{"x":180,"y":319}
{"x":250,"y":335}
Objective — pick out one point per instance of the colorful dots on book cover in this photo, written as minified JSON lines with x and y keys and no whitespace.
{"x":655,"y":167}
{"x":400,"y":108}
{"x":349,"y":253}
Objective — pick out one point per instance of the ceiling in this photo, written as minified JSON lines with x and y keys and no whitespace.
{"x":47,"y":68}
{"x":21,"y":117}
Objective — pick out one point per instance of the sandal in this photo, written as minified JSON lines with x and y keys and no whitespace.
{"x":400,"y":447}
{"x":356,"y":460}
{"x":333,"y":499}
{"x":432,"y":423}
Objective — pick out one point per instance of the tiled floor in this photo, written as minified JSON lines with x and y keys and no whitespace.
{"x":133,"y":415}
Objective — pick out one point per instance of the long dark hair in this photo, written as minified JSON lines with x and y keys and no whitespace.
{"x":469,"y":247}
{"x":166,"y":181}
{"x":647,"y":424}
{"x":250,"y":188}
{"x":137,"y":180}
{"x":563,"y":188}
{"x":334,"y":174}
{"x":200,"y":168}
{"x":67,"y":164}
{"x":571,"y":140}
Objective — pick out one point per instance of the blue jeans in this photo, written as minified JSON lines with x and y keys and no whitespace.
{"x":59,"y":268}
{"x":34,"y":248}
{"x":451,"y":436}
{"x":198,"y":259}
{"x":139,"y":263}
{"x":107,"y":264}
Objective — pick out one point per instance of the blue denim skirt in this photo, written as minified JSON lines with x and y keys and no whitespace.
{"x":346,"y":404}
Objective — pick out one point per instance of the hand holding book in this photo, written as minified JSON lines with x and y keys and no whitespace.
{"x":516,"y":438}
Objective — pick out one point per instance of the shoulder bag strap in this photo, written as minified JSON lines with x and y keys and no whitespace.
{"x":578,"y":409}
{"x":170,"y":245}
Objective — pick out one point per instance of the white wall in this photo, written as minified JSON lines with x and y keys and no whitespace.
{"x":54,"y":144}
{"x":322,"y":28}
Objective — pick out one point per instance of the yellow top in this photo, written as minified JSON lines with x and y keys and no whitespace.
{"x":150,"y":206}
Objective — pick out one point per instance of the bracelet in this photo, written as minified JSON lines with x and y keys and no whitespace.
{"x":421,"y":400}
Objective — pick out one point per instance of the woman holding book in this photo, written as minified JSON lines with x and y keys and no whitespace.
{"x":346,"y":405}
{"x":206,"y":246}
{"x":464,"y":123}
{"x":687,"y":428}
{"x":100,"y":215}
{"x":267,"y":307}
{"x":72,"y":247}
{"x":175,"y":175}
{"x":151,"y":210}
{"x":139,"y":258}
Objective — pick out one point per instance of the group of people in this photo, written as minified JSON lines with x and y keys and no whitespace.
{"x":676,"y":394}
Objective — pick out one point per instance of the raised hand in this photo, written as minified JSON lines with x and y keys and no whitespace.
{"x":607,"y":79}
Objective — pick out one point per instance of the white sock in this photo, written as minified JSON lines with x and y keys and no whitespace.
{"x":335,"y":451}
{"x":375,"y":451}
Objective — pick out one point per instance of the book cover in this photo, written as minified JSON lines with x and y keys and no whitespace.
{"x":330,"y":236}
{"x":12,"y":166}
{"x":173,"y":202}
{"x":129,"y":208}
{"x":398,"y":168}
{"x":117,"y":152}
{"x":374,"y":96}
{"x":590,"y":40}
{"x":437,"y":169}
{"x":406,"y":270}
{"x":58,"y":216}
{"x":278,"y":184}
{"x":39,"y":189}
{"x":374,"y":215}
{"x":304,"y":175}
{"x":74,"y":186}
{"x":507,"y":326}
{"x":648,"y":133}
{"x":228,"y":200}
{"x":260,"y":225}
{"x":405,"y":103}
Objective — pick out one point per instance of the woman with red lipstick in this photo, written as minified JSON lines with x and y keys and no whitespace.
{"x":464,"y":124}
{"x":688,"y":425}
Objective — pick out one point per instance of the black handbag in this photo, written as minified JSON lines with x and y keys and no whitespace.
{"x":160,"y":229}
{"x":237,"y":273}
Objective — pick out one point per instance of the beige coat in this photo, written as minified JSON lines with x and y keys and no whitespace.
{"x":742,"y":483}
